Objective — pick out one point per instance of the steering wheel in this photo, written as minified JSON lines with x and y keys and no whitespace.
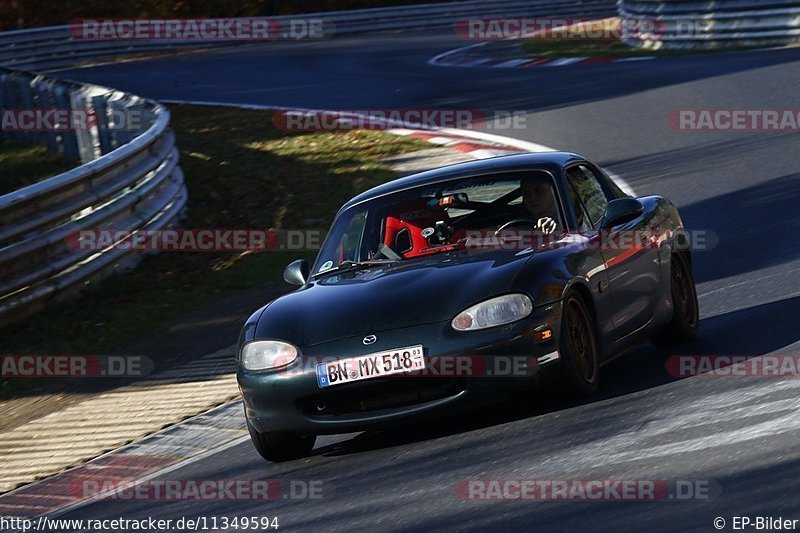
{"x":514,"y":222}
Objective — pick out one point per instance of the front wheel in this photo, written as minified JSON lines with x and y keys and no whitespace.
{"x":685,"y":311}
{"x":280,"y":447}
{"x":580,"y":371}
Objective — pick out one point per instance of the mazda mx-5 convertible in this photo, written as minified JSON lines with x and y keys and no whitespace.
{"x":457,"y":286}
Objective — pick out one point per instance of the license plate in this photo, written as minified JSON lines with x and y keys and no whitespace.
{"x":397,"y":361}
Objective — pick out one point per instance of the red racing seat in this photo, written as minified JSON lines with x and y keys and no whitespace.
{"x":402,"y":231}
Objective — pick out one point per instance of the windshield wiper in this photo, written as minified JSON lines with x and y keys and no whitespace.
{"x":354,"y":265}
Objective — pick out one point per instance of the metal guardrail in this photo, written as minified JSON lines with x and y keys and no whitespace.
{"x":54,"y":47}
{"x":130,"y":180}
{"x":717,"y":24}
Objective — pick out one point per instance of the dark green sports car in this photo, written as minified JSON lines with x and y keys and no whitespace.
{"x":458,"y":285}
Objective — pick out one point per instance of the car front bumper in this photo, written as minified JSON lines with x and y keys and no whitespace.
{"x":465,"y":369}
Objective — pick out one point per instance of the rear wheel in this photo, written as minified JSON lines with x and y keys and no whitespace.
{"x":279,"y":447}
{"x":580,"y":371}
{"x":685,"y":315}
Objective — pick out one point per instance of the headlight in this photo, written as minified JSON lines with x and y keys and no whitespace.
{"x":495,"y":312}
{"x":264,"y":355}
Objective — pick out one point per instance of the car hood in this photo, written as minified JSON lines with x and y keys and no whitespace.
{"x":380,"y":298}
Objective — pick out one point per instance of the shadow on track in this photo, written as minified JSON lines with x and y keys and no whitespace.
{"x":749,"y":219}
{"x":639,"y":369}
{"x":755,"y":490}
{"x":753,"y":226}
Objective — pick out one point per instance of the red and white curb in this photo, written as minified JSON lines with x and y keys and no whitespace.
{"x":474,"y":148}
{"x":485,"y":145}
{"x":153,"y":456}
{"x":478,"y":144}
{"x":103,"y":422}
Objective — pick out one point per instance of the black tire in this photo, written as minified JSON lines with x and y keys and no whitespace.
{"x":580,"y":369}
{"x":686,"y":312}
{"x":280,"y":447}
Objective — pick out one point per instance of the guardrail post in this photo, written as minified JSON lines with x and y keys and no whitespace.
{"x":45,"y":100}
{"x":148,"y":117}
{"x":34,"y":103}
{"x":86,"y":143}
{"x":120,"y":132}
{"x":103,"y":127}
{"x":11,"y":103}
{"x":4,"y":102}
{"x":69,"y":141}
{"x":14,"y":89}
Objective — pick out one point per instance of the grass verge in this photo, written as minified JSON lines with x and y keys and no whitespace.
{"x":241,"y":172}
{"x":552,"y":48}
{"x":24,"y":164}
{"x":573,"y":41}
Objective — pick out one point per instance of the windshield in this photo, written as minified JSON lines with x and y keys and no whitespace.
{"x":440,"y":218}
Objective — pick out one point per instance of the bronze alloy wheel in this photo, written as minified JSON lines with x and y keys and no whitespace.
{"x":685,"y":320}
{"x":579,"y":348}
{"x":683,"y":293}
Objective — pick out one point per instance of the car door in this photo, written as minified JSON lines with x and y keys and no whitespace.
{"x":632,"y":268}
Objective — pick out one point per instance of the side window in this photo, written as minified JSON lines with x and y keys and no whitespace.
{"x":584,"y":224}
{"x":588,"y":189}
{"x":348,"y":249}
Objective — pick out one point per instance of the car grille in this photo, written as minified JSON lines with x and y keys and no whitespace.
{"x":388,"y":394}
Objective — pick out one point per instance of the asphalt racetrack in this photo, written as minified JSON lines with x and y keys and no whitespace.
{"x":738,"y":436}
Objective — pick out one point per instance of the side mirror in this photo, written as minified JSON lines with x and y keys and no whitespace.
{"x":296,"y":273}
{"x":620,"y":211}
